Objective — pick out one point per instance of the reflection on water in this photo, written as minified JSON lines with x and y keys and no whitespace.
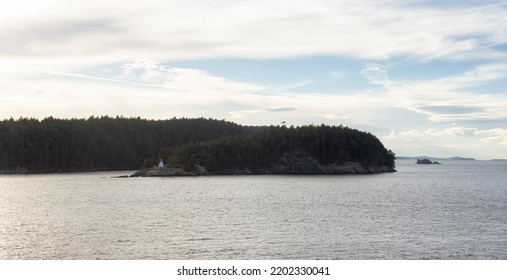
{"x":451,"y":211}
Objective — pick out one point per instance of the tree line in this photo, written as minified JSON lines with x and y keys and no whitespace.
{"x":98,"y":143}
{"x":119,"y":143}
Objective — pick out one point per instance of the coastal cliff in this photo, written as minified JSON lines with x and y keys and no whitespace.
{"x":287,"y":165}
{"x":345,"y":169}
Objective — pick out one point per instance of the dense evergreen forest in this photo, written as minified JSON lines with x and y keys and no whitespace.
{"x":106,"y":143}
{"x":98,"y":143}
{"x":261,"y":153}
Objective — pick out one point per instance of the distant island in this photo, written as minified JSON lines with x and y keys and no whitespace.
{"x":426,"y":161}
{"x":434,"y":158}
{"x":187,"y":146}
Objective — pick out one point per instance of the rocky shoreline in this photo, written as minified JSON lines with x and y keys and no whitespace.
{"x":286,"y":167}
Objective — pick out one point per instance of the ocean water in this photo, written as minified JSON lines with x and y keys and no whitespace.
{"x":456,"y":210}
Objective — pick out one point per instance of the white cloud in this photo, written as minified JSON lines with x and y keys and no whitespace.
{"x":494,"y":136}
{"x":242,"y":114}
{"x":377,"y":75}
{"x":409,"y":133}
{"x":100,"y":30}
{"x":453,"y":98}
{"x":181,"y":92}
{"x":481,"y":74}
{"x":81,"y":76}
{"x":465,"y":141}
{"x":335,"y":117}
{"x":461,"y":131}
{"x":152,"y":89}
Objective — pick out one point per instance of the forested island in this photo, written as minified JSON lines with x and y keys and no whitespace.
{"x":426,"y":161}
{"x":187,"y":146}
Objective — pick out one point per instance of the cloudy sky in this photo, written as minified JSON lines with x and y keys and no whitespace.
{"x":426,"y":77}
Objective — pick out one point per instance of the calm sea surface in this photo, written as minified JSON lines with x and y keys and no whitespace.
{"x":457,"y":210}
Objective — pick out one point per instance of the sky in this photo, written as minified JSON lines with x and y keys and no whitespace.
{"x":426,"y":77}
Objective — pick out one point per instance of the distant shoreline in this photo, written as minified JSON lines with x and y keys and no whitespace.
{"x":39,"y":172}
{"x":434,"y":158}
{"x":350,"y":168}
{"x":131,"y":171}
